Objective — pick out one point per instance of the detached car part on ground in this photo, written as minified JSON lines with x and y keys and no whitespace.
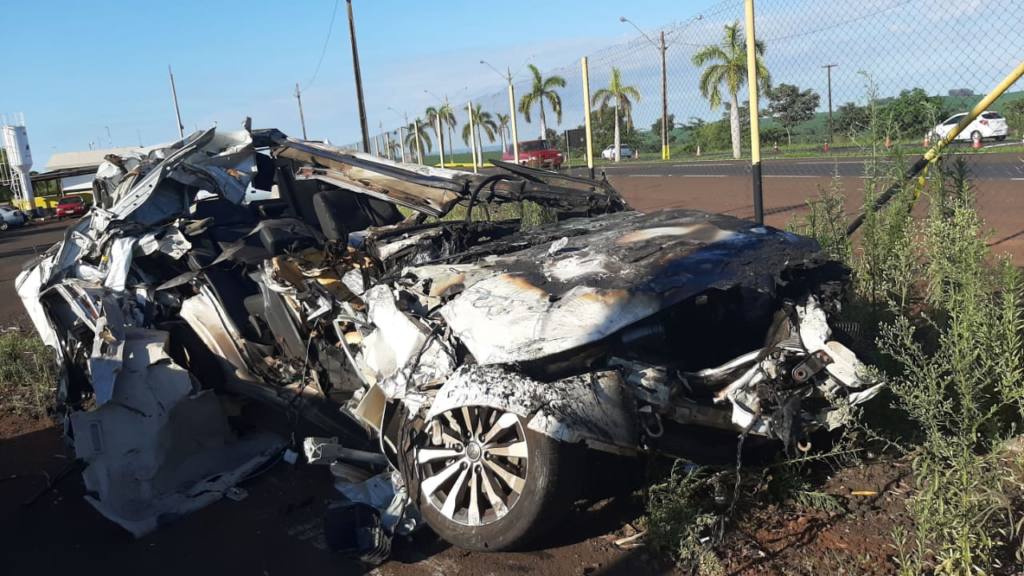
{"x":481,"y":359}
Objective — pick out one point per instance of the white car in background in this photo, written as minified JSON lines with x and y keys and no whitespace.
{"x":625,"y":152}
{"x":988,"y":124}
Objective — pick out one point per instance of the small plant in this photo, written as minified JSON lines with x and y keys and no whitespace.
{"x":27,"y":374}
{"x":681,"y":520}
{"x":958,"y":363}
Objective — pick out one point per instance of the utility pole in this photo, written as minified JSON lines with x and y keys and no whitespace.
{"x":662,"y":48}
{"x":359,"y":79}
{"x":829,"y":68}
{"x":177,"y":111}
{"x":302,"y":117}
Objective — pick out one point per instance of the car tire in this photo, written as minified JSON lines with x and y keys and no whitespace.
{"x":976,"y":135}
{"x":505,"y":519}
{"x":1001,"y":138}
{"x":4,"y":225}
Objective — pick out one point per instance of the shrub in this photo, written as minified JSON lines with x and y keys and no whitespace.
{"x":27,"y":374}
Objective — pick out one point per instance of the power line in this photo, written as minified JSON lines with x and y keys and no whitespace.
{"x":323,"y":51}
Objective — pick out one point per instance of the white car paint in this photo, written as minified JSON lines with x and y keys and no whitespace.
{"x":624,"y":152}
{"x":988,"y":124}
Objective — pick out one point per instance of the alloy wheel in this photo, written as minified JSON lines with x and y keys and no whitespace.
{"x":473,"y":464}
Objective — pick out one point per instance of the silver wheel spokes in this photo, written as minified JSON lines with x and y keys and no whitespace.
{"x":473,"y":466}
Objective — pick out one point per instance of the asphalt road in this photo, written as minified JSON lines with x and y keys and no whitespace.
{"x":18,"y":246}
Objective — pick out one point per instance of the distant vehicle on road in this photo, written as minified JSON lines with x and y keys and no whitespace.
{"x":625,"y":152}
{"x":9,"y":217}
{"x":987,"y":125}
{"x":70,"y":206}
{"x":538,"y":153}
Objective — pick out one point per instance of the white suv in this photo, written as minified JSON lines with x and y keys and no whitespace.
{"x":987,"y":125}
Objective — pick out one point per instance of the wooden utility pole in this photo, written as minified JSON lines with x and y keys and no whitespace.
{"x":359,"y":79}
{"x":302,"y":117}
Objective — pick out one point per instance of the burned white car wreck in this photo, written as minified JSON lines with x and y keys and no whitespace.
{"x":481,"y":359}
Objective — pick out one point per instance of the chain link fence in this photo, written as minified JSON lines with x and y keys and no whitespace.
{"x":837,"y":81}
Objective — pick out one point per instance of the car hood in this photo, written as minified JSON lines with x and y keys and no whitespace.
{"x":584,"y":279}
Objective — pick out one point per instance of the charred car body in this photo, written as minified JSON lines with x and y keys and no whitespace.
{"x":481,"y":359}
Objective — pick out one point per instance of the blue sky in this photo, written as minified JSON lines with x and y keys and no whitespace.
{"x":80,"y":68}
{"x":87,"y":66}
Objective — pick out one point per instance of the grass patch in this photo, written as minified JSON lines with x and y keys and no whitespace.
{"x":27,"y":374}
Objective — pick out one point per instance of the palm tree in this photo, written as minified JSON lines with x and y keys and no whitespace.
{"x":542,"y":89}
{"x":432,"y":114}
{"x":481,"y":121}
{"x":503,"y":123}
{"x":417,"y":138}
{"x":447,"y":114}
{"x":728,"y":65}
{"x":623,"y":98}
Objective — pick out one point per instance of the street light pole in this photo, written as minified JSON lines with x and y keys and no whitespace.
{"x":302,"y":117}
{"x":177,"y":111}
{"x":662,"y":48}
{"x":359,"y":80}
{"x":829,"y":68}
{"x":511,"y":109}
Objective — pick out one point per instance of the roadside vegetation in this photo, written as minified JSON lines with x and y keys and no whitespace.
{"x":27,"y":376}
{"x":942,"y":320}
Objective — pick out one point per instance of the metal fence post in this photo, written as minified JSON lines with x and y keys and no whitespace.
{"x":755,"y":136}
{"x":440,"y":137}
{"x":472,"y":134}
{"x":586,"y":115}
{"x":512,"y":116}
{"x":419,"y":146}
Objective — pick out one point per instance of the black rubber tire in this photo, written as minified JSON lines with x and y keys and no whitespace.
{"x":552,"y":485}
{"x":3,"y":225}
{"x":1001,"y":138}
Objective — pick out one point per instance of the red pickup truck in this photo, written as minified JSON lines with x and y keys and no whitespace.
{"x":536,"y":153}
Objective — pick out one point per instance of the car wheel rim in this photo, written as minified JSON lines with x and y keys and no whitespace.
{"x":473,"y":464}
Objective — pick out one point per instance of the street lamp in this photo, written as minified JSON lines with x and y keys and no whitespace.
{"x":511,"y":109}
{"x":665,"y":152}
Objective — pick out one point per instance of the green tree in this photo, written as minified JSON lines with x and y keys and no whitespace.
{"x":727,"y":65}
{"x":851,"y":119}
{"x":791,"y":106}
{"x":503,"y":127}
{"x":656,"y":128}
{"x":541,"y":90}
{"x":1015,"y":115}
{"x":447,"y":113}
{"x":482,"y":121}
{"x":619,"y":98}
{"x":914,"y":112}
{"x":418,"y":138}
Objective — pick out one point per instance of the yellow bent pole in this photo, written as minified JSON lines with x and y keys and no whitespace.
{"x":755,"y":129}
{"x":933,"y":153}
